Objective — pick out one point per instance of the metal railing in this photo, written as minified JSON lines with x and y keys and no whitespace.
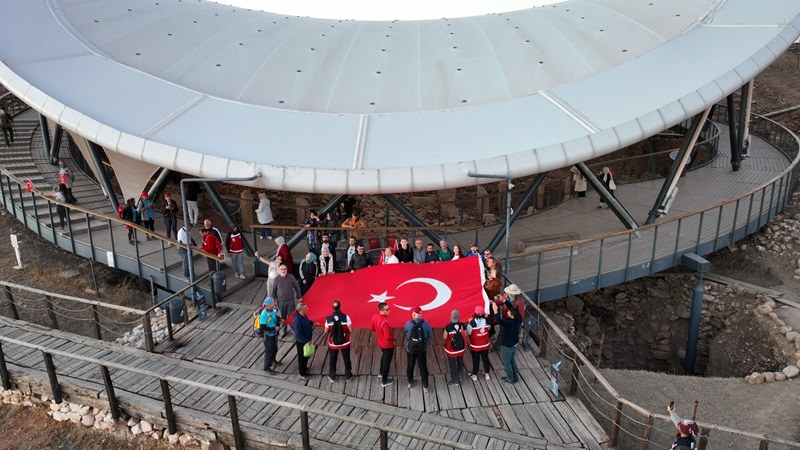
{"x":574,"y":267}
{"x":629,"y":425}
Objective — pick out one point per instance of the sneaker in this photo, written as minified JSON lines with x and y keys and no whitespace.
{"x":453,"y":383}
{"x":236,"y":275}
{"x":474,"y":377}
{"x":261,"y":237}
{"x":332,"y":378}
{"x":508,"y":380}
{"x":380,"y":377}
{"x":410,"y":384}
{"x":269,"y":237}
{"x":302,"y":377}
{"x":277,"y":363}
{"x":348,"y":379}
{"x":425,"y":389}
{"x":242,"y":276}
{"x":486,"y":376}
{"x":387,"y":382}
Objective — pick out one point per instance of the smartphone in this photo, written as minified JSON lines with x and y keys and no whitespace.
{"x":671,"y":404}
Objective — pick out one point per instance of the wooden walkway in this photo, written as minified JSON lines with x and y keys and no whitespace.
{"x":223,"y":353}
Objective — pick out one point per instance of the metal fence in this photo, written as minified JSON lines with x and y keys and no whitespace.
{"x":584,"y":265}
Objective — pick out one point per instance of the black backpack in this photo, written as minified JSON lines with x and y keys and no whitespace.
{"x":416,"y":339}
{"x":457,"y":343}
{"x":337,"y":331}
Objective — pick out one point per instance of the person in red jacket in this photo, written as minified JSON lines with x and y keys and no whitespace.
{"x":235,"y":247}
{"x":455,"y":344}
{"x":211,"y":244}
{"x":383,"y":332}
{"x":338,"y":326}
{"x":478,"y":331}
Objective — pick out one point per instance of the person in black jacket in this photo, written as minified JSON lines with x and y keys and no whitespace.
{"x":509,"y":338}
{"x":405,"y":253}
{"x":360,"y":259}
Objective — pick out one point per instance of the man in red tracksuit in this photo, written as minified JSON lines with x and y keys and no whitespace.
{"x":383,"y":332}
{"x":211,"y":244}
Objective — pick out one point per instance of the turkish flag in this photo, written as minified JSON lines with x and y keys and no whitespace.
{"x":28,"y":186}
{"x":437,"y":288}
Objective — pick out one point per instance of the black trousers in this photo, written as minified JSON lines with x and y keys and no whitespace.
{"x":422,"y":358}
{"x":270,"y":349}
{"x":302,"y":361}
{"x":477,"y":357}
{"x":386,"y":360}
{"x":333,"y":359}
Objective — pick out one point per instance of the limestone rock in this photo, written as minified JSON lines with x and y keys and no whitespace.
{"x":136,"y":430}
{"x":763,"y":310}
{"x":146,"y":426}
{"x":792,"y":336}
{"x":87,"y":420}
{"x":74,"y":416}
{"x":791,"y":371}
{"x":574,"y":305}
{"x":185,"y":440}
{"x":72,"y":273}
{"x":60,"y":416}
{"x":173,"y":438}
{"x":769,"y":377}
{"x":780,"y":376}
{"x":755,"y":378}
{"x":132,"y":421}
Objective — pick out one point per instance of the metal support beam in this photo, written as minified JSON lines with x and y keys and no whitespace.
{"x":515,"y":212}
{"x":622,"y":214}
{"x":408,"y":214}
{"x":215,"y":197}
{"x":300,"y":235}
{"x":744,"y":110}
{"x":736,"y":156}
{"x":160,"y":182}
{"x":94,"y":151}
{"x":677,"y":166}
{"x":46,"y":137}
{"x":55,"y":149}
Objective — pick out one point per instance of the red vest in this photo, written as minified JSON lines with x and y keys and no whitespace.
{"x":479,"y":339}
{"x":448,"y":343}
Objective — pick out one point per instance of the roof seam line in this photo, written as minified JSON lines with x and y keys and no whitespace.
{"x":146,"y":134}
{"x":573,"y":114}
{"x":361,"y":144}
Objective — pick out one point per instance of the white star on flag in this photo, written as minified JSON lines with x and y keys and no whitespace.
{"x":380,"y":298}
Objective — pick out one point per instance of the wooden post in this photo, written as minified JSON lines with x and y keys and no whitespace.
{"x":237,"y":433}
{"x":543,"y":347}
{"x":764,"y":445}
{"x":615,"y":423}
{"x":51,"y":373}
{"x":703,"y":442}
{"x":51,"y":311}
{"x":113,"y":405}
{"x":98,"y":333}
{"x":148,"y":333}
{"x":648,"y":430}
{"x":171,"y":426}
{"x":573,"y":386}
{"x":10,"y":298}
{"x":6,"y":377}
{"x":384,"y":440}
{"x":304,"y":430}
{"x":186,"y":312}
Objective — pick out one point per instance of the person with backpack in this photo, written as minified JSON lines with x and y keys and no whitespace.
{"x":385,"y":338}
{"x":128,"y":213}
{"x":66,"y":178}
{"x":478,"y":332}
{"x":418,"y":336}
{"x":7,"y":126}
{"x":686,"y":437}
{"x":269,"y":323}
{"x":509,"y":338}
{"x":145,"y":210}
{"x":455,"y":344}
{"x":338,"y":326}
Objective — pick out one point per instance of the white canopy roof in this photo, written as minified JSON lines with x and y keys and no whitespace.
{"x":322,"y":105}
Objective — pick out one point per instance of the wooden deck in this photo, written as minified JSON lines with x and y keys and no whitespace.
{"x":222,"y":352}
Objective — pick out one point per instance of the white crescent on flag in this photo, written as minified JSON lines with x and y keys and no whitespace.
{"x":443,"y":293}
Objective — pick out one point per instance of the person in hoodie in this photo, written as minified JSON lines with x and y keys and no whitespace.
{"x":234,"y":243}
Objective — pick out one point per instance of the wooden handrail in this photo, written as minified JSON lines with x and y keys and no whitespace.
{"x":74,"y":299}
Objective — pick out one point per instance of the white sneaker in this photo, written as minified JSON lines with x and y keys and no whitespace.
{"x":486,"y":376}
{"x":261,"y":237}
{"x":242,"y":276}
{"x":236,"y":275}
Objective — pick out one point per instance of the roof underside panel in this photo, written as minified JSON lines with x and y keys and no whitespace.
{"x":319,"y":105}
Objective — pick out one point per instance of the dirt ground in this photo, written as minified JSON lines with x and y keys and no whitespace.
{"x":772,"y":409}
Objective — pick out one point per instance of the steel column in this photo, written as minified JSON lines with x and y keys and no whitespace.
{"x":736,"y":156}
{"x":215,"y":197}
{"x":622,"y":214}
{"x":94,"y":151}
{"x":56,"y":147}
{"x":515,"y":212}
{"x":678,"y":165}
{"x":113,"y":404}
{"x":408,"y":214}
{"x":162,"y":180}
{"x":294,"y":240}
{"x":694,"y":325}
{"x":46,"y":137}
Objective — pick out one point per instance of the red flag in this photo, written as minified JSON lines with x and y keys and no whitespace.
{"x":28,"y":186}
{"x":437,"y":288}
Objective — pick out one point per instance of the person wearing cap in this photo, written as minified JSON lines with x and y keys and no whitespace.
{"x":303,"y":333}
{"x":421,"y":357}
{"x":474,"y":250}
{"x":478,"y":332}
{"x":385,"y":337}
{"x":455,"y":356}
{"x":686,"y":438}
{"x":343,"y":346}
{"x":355,"y":223}
{"x":170,"y":213}
{"x":269,"y":329}
{"x":145,"y":210}
{"x":510,"y":324}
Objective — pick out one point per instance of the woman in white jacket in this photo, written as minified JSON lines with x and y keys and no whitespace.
{"x":264,"y":214}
